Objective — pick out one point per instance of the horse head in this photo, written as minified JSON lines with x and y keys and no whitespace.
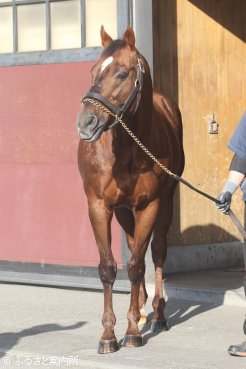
{"x":117,"y":81}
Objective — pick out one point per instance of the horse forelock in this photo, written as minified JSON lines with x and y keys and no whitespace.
{"x":113,"y":47}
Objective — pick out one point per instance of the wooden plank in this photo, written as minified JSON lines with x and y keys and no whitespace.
{"x":199,"y":59}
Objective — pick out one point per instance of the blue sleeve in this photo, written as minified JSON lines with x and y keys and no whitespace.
{"x":237,"y":143}
{"x":238,"y":164}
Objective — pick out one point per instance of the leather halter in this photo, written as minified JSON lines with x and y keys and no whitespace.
{"x":121,"y":110}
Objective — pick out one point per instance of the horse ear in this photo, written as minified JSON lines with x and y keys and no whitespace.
{"x":105,"y":38}
{"x":129,"y":37}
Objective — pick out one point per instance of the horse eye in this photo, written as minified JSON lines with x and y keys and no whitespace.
{"x":122,"y":75}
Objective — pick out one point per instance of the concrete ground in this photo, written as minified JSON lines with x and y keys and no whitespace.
{"x":54,"y":327}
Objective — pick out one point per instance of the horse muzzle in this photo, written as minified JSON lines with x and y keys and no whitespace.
{"x":89,"y":127}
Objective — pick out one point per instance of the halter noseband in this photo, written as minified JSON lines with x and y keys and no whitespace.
{"x":120,"y":110}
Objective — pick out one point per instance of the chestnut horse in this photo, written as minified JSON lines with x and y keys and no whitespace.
{"x":120,"y":178}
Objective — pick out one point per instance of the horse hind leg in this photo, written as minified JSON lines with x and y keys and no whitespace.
{"x":159,"y":249}
{"x":143,"y":296}
{"x":136,"y":269}
{"x":127,"y":222}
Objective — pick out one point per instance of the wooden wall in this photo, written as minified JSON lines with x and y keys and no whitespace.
{"x":200,"y":60}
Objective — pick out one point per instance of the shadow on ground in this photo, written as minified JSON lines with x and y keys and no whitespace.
{"x":10,"y":339}
{"x":176,"y":314}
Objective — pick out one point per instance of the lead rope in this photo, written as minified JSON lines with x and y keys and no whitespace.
{"x":162,"y":166}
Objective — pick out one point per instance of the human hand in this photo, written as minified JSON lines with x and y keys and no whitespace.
{"x":225,"y":202}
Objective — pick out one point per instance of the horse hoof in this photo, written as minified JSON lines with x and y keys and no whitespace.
{"x":107,"y":346}
{"x":133,"y":341}
{"x":159,"y":326}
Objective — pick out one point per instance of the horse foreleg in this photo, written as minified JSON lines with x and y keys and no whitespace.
{"x":126,"y":220}
{"x":100,"y":219}
{"x":159,"y":249}
{"x":136,"y":269}
{"x":143,"y":296}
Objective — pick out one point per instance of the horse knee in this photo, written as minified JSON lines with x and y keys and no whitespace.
{"x":136,"y":269}
{"x":107,"y":273}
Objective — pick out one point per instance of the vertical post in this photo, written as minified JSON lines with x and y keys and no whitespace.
{"x":15,"y":28}
{"x":48,"y":26}
{"x":124,"y":11}
{"x":142,"y":24}
{"x":83,"y":22}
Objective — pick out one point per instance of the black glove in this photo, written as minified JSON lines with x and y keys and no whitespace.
{"x":225,"y":202}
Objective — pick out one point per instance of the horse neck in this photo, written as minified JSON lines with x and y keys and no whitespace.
{"x":140,"y":124}
{"x":146,"y":103}
{"x":142,"y":120}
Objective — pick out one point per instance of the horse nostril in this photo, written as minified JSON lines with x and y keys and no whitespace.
{"x":92,"y":121}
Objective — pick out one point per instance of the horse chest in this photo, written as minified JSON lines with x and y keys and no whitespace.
{"x":131,"y":189}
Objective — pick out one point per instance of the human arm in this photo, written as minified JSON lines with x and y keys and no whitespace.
{"x":235,"y":177}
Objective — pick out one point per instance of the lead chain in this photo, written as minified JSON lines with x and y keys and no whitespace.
{"x":119,"y":119}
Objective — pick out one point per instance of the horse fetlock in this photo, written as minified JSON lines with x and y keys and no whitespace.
{"x":107,"y":273}
{"x":158,"y":305}
{"x":108,"y":320}
{"x":133,"y":317}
